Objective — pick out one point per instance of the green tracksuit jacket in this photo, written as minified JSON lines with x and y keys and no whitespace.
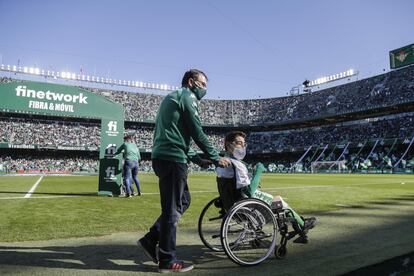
{"x":131,"y":151}
{"x":176,"y":123}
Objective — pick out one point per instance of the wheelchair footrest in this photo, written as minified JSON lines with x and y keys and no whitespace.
{"x":301,"y":239}
{"x":291,"y":234}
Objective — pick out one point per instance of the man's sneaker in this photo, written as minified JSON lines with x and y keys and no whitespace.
{"x":176,"y":266}
{"x":149,"y":249}
{"x":309,"y":223}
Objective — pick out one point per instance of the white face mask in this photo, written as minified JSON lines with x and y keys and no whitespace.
{"x":239,"y":153}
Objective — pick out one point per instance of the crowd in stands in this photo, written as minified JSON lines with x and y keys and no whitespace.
{"x":68,"y":133}
{"x":383,"y":90}
{"x":5,"y":80}
{"x":395,"y":126}
{"x":22,"y":131}
{"x":380,"y":160}
{"x":388,"y":89}
{"x":139,"y":107}
{"x":48,"y":164}
{"x":48,"y":132}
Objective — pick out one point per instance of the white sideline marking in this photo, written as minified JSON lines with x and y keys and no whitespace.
{"x":122,"y":262}
{"x":68,"y":261}
{"x":29,"y":193}
{"x":332,"y":186}
{"x":215,"y":191}
{"x":343,"y":205}
{"x":36,"y":197}
{"x":303,"y":187}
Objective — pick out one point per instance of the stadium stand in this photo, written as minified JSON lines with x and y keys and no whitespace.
{"x":366,"y":125}
{"x":387,"y":90}
{"x":29,"y":163}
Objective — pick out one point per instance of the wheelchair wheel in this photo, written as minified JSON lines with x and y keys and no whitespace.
{"x":209,"y":225}
{"x":248,"y":232}
{"x":280,"y":252}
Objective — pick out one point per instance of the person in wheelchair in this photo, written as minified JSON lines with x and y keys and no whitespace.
{"x":235,"y":183}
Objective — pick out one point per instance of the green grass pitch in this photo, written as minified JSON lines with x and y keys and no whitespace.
{"x":63,"y":207}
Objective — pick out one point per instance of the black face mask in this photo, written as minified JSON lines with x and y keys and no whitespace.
{"x":198,"y":91}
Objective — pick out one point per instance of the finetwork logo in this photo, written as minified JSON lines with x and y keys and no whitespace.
{"x":22,"y":91}
{"x":110,"y":173}
{"x":112,"y":128}
{"x":55,"y":101}
{"x":110,"y":150}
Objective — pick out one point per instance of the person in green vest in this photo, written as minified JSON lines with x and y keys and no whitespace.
{"x":130,"y":168}
{"x":177,"y":123}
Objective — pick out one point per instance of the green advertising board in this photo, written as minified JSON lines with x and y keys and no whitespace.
{"x":402,"y":56}
{"x":59,"y":100}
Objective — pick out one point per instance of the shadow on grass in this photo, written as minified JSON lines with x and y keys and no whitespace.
{"x":98,"y":257}
{"x":343,"y":241}
{"x":376,"y":204}
{"x":57,"y":194}
{"x":405,"y":197}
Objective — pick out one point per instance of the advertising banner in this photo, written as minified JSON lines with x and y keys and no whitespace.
{"x":39,"y":98}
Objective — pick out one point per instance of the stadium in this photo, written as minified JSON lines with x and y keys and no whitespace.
{"x":364,"y":128}
{"x":339,"y":148}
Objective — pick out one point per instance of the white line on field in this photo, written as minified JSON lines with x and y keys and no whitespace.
{"x":29,"y":193}
{"x":36,"y":197}
{"x":350,"y":185}
{"x":303,"y":187}
{"x":333,"y":186}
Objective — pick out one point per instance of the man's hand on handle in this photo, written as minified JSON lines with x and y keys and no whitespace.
{"x":224,"y":162}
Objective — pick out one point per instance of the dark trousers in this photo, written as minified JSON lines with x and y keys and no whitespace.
{"x":130,"y":170}
{"x":175,"y":199}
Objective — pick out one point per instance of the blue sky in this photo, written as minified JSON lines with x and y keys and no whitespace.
{"x":249,"y":49}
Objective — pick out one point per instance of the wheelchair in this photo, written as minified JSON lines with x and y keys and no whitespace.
{"x":246,"y":229}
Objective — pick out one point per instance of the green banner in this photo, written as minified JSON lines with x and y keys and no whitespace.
{"x":402,"y":56}
{"x":52,"y":99}
{"x":59,"y":100}
{"x":110,"y":169}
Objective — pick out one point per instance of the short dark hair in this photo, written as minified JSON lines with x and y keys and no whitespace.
{"x":231,"y":137}
{"x":128,"y":137}
{"x":192,"y":74}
